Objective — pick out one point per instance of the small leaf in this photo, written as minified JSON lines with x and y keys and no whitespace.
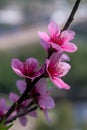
{"x":4,"y":127}
{"x":9,"y":126}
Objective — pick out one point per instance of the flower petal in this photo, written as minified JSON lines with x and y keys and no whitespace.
{"x":56,"y":47}
{"x":59,"y":83}
{"x":33,"y":114}
{"x":65,"y":57}
{"x":67,"y":35}
{"x":46,"y":115}
{"x":32,"y":64}
{"x":17,"y":66}
{"x":46,"y":102}
{"x":13,"y":97}
{"x":21,"y":85}
{"x":23,"y":120}
{"x":45,"y":44}
{"x":63,"y":68}
{"x":44,"y":36}
{"x":41,"y":86}
{"x":31,"y":68}
{"x":69,"y":47}
{"x":53,"y":29}
{"x":3,"y":106}
{"x":55,"y":58}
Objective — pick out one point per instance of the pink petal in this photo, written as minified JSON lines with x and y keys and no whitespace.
{"x":45,"y":101}
{"x":13,"y":97}
{"x":35,"y":75}
{"x":47,"y":64}
{"x":56,"y":47}
{"x":45,"y":44}
{"x":58,"y":57}
{"x":17,"y":66}
{"x":53,"y":61}
{"x":3,"y":106}
{"x":65,"y":57}
{"x":31,"y":68}
{"x":33,"y":114}
{"x":67,"y":35}
{"x":23,"y":120}
{"x":42,"y":68}
{"x":21,"y":85}
{"x":53,"y":29}
{"x":44,"y":36}
{"x":46,"y":115}
{"x":32,"y":64}
{"x":55,"y":58}
{"x":63,"y":69}
{"x":69,"y":47}
{"x":59,"y":83}
{"x":26,"y":102}
{"x":41,"y":86}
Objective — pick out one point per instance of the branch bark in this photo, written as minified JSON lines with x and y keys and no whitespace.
{"x":21,"y":114}
{"x":71,"y":17}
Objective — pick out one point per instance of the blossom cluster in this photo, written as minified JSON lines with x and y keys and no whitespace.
{"x":33,"y":89}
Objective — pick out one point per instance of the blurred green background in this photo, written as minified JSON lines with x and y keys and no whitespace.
{"x":70,"y":112}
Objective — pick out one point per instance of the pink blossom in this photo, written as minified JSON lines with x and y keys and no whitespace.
{"x":28,"y":69}
{"x":57,"y":68}
{"x":59,"y":41}
{"x":41,"y":95}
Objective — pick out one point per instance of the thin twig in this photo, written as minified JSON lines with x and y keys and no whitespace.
{"x":71,"y":17}
{"x":12,"y":108}
{"x":21,"y":114}
{"x":28,"y":89}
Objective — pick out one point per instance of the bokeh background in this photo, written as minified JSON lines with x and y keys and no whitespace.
{"x":20,"y":20}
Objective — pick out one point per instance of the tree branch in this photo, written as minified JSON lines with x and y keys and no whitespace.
{"x":21,"y":114}
{"x":20,"y":100}
{"x":71,"y":17}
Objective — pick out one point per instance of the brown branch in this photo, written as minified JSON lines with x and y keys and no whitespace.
{"x":71,"y":17}
{"x":20,"y":100}
{"x":21,"y":114}
{"x":12,"y":108}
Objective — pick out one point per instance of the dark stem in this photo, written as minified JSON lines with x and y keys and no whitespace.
{"x":21,"y":114}
{"x":71,"y":17}
{"x":20,"y":100}
{"x":15,"y":104}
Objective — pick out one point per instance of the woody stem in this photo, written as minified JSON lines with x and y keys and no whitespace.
{"x":71,"y":17}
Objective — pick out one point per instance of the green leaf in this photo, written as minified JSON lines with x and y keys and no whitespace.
{"x":4,"y":127}
{"x":9,"y":126}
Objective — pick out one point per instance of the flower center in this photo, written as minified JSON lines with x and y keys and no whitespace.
{"x":28,"y":71}
{"x":56,"y":70}
{"x":58,"y":40}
